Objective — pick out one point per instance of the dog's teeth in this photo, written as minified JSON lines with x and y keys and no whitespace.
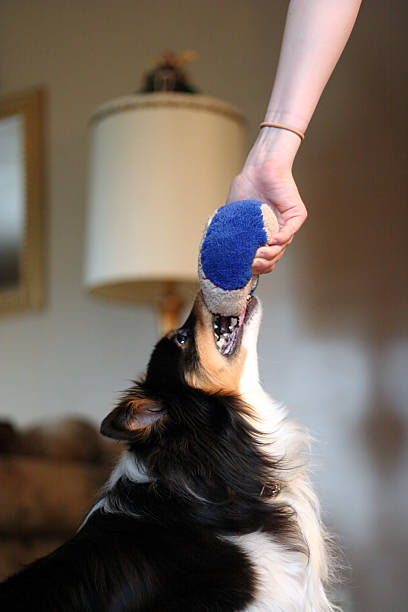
{"x":225,"y":329}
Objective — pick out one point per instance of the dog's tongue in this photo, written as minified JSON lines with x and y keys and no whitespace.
{"x":242,"y":315}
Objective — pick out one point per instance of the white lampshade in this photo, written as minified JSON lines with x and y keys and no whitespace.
{"x":159,"y":165}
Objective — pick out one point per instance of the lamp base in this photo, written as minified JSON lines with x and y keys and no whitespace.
{"x":170,"y":308}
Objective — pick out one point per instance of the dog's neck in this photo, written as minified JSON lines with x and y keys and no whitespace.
{"x":153,"y":500}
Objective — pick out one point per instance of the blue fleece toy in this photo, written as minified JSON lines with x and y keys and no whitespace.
{"x":231,"y":238}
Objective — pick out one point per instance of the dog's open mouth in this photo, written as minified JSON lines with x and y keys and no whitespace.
{"x":228,"y":330}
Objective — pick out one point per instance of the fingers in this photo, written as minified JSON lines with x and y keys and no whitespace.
{"x":261,"y":266}
{"x":286,"y":233}
{"x":266,"y":262}
{"x":266,"y":257}
{"x":271,"y":252}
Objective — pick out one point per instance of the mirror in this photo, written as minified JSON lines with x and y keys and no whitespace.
{"x":21,"y":202}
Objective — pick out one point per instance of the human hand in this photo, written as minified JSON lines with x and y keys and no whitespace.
{"x":267,"y":177}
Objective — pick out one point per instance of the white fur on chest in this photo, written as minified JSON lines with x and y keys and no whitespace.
{"x":280,"y":574}
{"x":287,"y":581}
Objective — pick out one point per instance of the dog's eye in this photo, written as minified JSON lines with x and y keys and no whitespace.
{"x":181,"y":337}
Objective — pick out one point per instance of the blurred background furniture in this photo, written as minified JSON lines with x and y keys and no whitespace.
{"x":51,"y":477}
{"x":159,"y":163}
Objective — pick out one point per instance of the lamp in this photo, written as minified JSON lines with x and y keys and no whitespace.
{"x":160,"y":163}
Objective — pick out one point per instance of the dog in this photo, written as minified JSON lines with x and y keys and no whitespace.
{"x":210,"y":508}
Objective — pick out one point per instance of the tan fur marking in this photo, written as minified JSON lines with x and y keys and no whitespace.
{"x":216,"y":373}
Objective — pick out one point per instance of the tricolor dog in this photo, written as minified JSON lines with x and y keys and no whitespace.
{"x":210,"y":508}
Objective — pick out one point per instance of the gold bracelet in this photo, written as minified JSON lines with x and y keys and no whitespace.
{"x":282,"y":127}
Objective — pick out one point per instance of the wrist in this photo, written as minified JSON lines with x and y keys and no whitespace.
{"x":274,"y":143}
{"x":295,"y":120}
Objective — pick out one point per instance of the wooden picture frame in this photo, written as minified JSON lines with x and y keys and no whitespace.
{"x":29,"y":290}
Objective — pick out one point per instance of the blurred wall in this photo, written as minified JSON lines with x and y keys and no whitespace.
{"x":334,"y":341}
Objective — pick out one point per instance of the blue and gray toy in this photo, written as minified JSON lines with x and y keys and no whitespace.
{"x":231,"y":238}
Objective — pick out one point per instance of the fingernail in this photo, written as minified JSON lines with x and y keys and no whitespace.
{"x":257,"y":265}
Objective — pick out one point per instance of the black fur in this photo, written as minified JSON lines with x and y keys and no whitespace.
{"x":118,"y":563}
{"x":159,"y":546}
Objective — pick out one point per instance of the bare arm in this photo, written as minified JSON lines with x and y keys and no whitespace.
{"x":315,"y":35}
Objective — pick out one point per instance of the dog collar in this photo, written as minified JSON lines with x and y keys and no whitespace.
{"x":270,"y":490}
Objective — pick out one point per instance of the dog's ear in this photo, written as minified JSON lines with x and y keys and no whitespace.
{"x":131,"y":414}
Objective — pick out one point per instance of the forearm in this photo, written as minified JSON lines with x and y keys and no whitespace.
{"x":315,"y":35}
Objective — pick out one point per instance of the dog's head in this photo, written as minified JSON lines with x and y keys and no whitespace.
{"x":208,"y":353}
{"x":185,"y":419}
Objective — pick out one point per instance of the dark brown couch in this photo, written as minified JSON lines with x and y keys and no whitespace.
{"x":49,"y":478}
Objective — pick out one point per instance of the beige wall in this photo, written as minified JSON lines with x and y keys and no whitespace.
{"x":334,"y":341}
